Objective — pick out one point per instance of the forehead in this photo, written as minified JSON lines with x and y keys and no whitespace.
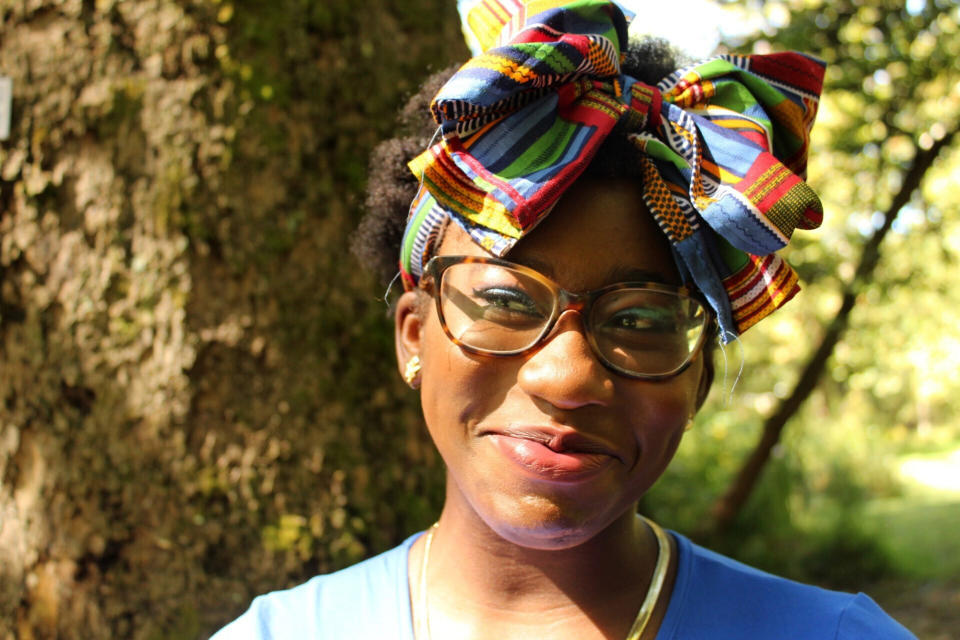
{"x":599,"y":232}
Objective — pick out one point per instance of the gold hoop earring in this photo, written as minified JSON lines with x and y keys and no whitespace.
{"x":411,"y":371}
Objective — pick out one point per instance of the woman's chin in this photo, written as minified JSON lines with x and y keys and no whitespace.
{"x":536,"y":522}
{"x":545,"y":540}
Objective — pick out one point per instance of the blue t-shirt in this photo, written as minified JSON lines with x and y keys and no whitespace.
{"x":714,"y":598}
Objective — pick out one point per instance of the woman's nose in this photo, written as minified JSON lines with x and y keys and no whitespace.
{"x":564,"y":371}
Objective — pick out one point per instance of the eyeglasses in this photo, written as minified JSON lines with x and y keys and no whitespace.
{"x":487,"y":306}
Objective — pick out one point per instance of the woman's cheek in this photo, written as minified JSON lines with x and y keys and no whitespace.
{"x":459,"y":388}
{"x":663,"y":416}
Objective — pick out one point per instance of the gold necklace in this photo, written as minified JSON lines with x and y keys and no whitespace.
{"x":422,"y":630}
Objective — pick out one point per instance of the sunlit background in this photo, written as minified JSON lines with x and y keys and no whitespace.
{"x":198,"y":395}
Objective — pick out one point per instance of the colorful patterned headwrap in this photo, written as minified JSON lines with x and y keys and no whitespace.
{"x":724,"y":147}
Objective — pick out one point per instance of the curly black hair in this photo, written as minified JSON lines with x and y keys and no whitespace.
{"x":391,"y":186}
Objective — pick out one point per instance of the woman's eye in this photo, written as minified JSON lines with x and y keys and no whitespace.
{"x":505,"y":299}
{"x":641,"y":319}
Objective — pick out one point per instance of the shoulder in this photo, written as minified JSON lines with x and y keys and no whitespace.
{"x":358,"y":602}
{"x":716,"y":597}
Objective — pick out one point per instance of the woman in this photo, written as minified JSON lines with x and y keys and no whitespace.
{"x":577,"y":240}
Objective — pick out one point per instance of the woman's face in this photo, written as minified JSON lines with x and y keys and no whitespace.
{"x":549,"y":448}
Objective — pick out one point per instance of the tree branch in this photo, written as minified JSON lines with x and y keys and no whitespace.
{"x":725,"y":510}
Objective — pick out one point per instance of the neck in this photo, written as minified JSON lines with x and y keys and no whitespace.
{"x":480,"y":579}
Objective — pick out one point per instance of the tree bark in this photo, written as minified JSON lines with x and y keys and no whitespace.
{"x":197,"y":401}
{"x":728,"y":506}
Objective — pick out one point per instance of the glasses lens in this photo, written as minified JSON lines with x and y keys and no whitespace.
{"x":646,"y":331}
{"x":494,"y":308}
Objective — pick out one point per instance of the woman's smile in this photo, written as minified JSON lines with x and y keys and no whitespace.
{"x":590,"y":220}
{"x":554,"y":454}
{"x":554,"y":440}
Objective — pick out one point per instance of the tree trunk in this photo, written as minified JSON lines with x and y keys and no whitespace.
{"x":187,"y":416}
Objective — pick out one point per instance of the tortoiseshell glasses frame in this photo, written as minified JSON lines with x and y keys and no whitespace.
{"x":660,"y":349}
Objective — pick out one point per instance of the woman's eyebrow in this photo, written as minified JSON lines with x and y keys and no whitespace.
{"x":539,"y":265}
{"x":636,"y":274}
{"x":616,"y":274}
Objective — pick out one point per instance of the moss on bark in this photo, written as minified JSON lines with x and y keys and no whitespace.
{"x":197,"y":395}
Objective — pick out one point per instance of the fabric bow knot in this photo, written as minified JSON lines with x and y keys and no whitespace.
{"x":724,"y":142}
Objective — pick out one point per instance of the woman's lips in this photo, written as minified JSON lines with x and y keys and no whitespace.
{"x":539,"y":460}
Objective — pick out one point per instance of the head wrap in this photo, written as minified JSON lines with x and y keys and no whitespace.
{"x":724,"y":147}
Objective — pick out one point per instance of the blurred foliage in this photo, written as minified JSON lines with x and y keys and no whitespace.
{"x":892,"y":87}
{"x":198,"y":395}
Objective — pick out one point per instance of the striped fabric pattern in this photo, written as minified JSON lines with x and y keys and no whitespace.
{"x":724,"y":145}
